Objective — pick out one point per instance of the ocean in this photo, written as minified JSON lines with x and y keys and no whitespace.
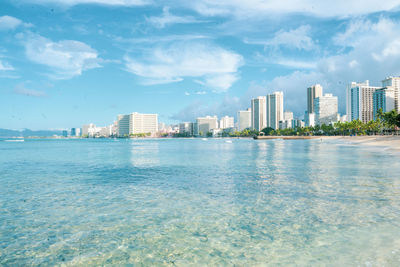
{"x":195,"y":202}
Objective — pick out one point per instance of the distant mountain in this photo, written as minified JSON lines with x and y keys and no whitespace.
{"x":27,"y":132}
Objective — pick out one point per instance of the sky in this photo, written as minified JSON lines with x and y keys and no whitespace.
{"x":65,"y":63}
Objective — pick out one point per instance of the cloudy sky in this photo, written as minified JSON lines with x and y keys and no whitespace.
{"x":64,"y":63}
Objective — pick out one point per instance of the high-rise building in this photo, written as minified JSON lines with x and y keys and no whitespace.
{"x":244,"y":119}
{"x":326,"y":109}
{"x":73,"y":131}
{"x":394,"y":82}
{"x":360,"y":101}
{"x":206,"y":124}
{"x":258,"y":113}
{"x":312,"y":93}
{"x":186,"y":128}
{"x":143,"y":123}
{"x":274,"y":107}
{"x":384,"y":99}
{"x":137,"y":123}
{"x":226,"y":122}
{"x":123,"y":125}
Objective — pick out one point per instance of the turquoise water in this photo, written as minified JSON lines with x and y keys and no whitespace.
{"x":195,"y":202}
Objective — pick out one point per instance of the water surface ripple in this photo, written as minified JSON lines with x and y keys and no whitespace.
{"x":185,"y":202}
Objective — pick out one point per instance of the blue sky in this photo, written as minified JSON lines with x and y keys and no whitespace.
{"x":64,"y":63}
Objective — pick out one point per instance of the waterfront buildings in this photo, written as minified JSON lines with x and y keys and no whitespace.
{"x":274,"y":107}
{"x":186,"y":128}
{"x":258,"y":113}
{"x":205,"y":125}
{"x":313,"y":92}
{"x":393,"y":82}
{"x":91,"y":130}
{"x":384,"y":99}
{"x":226,"y":122}
{"x":309,"y":119}
{"x":287,"y":120}
{"x":137,"y":123}
{"x":360,"y":101}
{"x":244,"y":119}
{"x":326,"y":109}
{"x":297,"y":123}
{"x":123,"y":125}
{"x":143,"y":123}
{"x":75,"y":132}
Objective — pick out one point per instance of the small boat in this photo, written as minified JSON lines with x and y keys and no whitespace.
{"x":204,"y":139}
{"x":228,"y":141}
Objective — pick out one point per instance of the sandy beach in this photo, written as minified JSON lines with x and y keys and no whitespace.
{"x":388,"y":141}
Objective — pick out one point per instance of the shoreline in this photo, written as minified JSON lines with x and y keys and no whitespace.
{"x":391,"y":142}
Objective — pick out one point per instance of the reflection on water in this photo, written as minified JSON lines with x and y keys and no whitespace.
{"x":144,"y":153}
{"x":187,"y":201}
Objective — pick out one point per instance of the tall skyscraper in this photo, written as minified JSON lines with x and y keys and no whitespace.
{"x":244,"y":119}
{"x":312,"y":93}
{"x":258,"y":113}
{"x":206,"y":124}
{"x":394,"y":82}
{"x":360,"y":101}
{"x":274,"y":106}
{"x":326,"y":109}
{"x":384,"y":99}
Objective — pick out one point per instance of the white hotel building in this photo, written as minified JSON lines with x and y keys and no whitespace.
{"x":137,"y":123}
{"x":274,"y":107}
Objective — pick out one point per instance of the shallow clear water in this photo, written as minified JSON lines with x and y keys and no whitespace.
{"x":195,"y":202}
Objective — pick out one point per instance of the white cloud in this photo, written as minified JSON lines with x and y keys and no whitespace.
{"x":99,"y":2}
{"x":296,"y":64}
{"x":20,"y":89}
{"x":216,"y":66}
{"x":298,"y":38}
{"x":373,"y":52}
{"x":167,"y":19}
{"x":319,"y":8}
{"x":9,"y":23}
{"x":67,"y":58}
{"x":220,"y":83}
{"x":5,"y":66}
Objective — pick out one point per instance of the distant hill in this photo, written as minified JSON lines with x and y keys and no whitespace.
{"x":27,"y":132}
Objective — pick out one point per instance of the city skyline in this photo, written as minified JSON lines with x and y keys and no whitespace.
{"x":69,"y":63}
